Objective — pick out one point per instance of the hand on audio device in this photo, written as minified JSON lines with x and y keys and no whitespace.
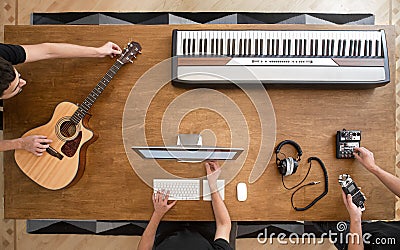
{"x":354,"y":211}
{"x":366,"y":158}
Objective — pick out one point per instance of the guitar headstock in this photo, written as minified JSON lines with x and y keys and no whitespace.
{"x":130,"y":52}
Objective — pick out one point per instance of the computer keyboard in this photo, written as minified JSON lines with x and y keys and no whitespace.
{"x":180,"y":189}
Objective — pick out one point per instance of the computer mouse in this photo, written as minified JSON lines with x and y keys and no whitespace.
{"x":241,"y":191}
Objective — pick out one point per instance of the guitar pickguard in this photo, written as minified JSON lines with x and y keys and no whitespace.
{"x":70,"y":147}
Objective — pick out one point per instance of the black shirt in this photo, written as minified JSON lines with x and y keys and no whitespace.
{"x":381,"y":235}
{"x":15,"y":54}
{"x":186,"y":239}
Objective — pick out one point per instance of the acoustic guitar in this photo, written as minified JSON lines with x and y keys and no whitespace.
{"x":63,"y":163}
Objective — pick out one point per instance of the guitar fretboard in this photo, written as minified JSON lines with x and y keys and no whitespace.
{"x":91,"y":98}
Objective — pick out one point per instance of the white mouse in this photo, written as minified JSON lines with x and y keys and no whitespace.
{"x":241,"y":191}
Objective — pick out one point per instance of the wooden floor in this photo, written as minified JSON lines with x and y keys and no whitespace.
{"x":14,"y":12}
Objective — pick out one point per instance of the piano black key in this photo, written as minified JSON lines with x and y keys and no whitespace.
{"x":304,"y":47}
{"x":249,"y":50}
{"x":200,"y":46}
{"x":300,"y":47}
{"x":339,"y":50}
{"x":189,"y":46}
{"x":212,"y":46}
{"x":284,"y":47}
{"x":344,"y":48}
{"x":359,"y":48}
{"x":228,"y":47}
{"x":216,"y":46}
{"x":316,"y":48}
{"x":277,"y":47}
{"x":323,"y":47}
{"x":289,"y":46}
{"x":233,"y":46}
{"x":221,"y":46}
{"x":261,"y":46}
{"x":256,"y":47}
{"x":240,"y":47}
{"x":193,"y":46}
{"x":366,"y":48}
{"x":332,"y":46}
{"x":205,"y":46}
{"x":377,"y":48}
{"x":370,"y":47}
{"x":245,"y":47}
{"x":296,"y":46}
{"x":351,"y":48}
{"x":355,"y":48}
{"x":184,"y":46}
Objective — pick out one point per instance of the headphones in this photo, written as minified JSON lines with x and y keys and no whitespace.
{"x":288,"y":166}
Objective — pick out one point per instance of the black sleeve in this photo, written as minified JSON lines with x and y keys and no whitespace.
{"x":221,"y":244}
{"x":15,"y":54}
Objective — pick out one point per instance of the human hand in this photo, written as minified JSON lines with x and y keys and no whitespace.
{"x":366,"y":158}
{"x":354,"y":211}
{"x":36,"y":144}
{"x":160,"y":202}
{"x":213,"y":171}
{"x":109,"y":49}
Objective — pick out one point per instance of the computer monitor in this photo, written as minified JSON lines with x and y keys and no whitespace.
{"x":188,"y":154}
{"x":189,"y":149}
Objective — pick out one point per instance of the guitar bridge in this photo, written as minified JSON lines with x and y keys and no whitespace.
{"x":54,"y":153}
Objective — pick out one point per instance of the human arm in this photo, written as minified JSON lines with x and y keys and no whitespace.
{"x":221,"y":213}
{"x":366,"y":158}
{"x":37,"y":52}
{"x":161,"y":207}
{"x":36,"y":144}
{"x":355,"y":239}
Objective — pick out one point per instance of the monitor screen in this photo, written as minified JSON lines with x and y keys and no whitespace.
{"x":186,"y":153}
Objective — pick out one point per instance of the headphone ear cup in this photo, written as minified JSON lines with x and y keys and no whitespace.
{"x":289,"y":166}
{"x":282,"y":167}
{"x":295,"y":166}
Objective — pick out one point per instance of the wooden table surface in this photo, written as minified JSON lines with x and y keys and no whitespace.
{"x":111,"y":190}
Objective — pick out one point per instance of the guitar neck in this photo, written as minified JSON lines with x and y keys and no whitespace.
{"x":95,"y":93}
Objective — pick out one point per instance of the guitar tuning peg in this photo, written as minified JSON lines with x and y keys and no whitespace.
{"x":130,"y":60}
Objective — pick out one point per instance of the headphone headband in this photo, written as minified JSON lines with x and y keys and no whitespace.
{"x":293,"y":143}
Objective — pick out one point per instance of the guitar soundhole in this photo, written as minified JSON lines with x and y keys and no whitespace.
{"x":68,"y":129}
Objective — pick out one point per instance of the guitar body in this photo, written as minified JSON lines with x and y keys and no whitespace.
{"x":64,"y":164}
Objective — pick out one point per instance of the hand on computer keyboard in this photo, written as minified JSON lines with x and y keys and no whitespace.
{"x":160,"y":202}
{"x":213,"y":171}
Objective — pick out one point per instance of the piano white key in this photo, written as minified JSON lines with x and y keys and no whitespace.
{"x":280,"y":44}
{"x":179,"y":43}
{"x":253,"y":43}
{"x":206,"y":42}
{"x":347,"y":45}
{"x":224,"y":43}
{"x":196,"y":43}
{"x":335,"y":46}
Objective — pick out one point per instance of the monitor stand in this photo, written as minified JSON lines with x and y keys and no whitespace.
{"x":189,"y":140}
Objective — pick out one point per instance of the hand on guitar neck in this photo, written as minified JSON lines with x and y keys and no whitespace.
{"x":36,"y":144}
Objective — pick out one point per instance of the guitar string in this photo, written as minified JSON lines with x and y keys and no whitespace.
{"x":65,"y":129}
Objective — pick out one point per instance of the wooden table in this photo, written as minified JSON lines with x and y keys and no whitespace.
{"x":109,"y":188}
